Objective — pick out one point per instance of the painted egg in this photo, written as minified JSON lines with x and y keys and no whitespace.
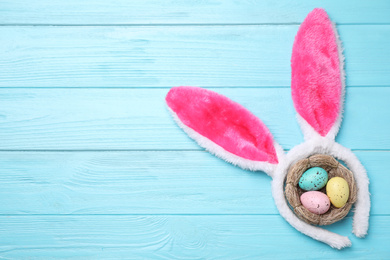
{"x":313,"y":179}
{"x":337,"y":190}
{"x":316,"y":202}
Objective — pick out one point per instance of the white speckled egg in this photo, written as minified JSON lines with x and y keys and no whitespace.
{"x":337,"y":190}
{"x":316,"y":202}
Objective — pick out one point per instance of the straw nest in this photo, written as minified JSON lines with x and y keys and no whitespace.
{"x":334,"y":169}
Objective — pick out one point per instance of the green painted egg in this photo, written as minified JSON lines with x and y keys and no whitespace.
{"x":313,"y":179}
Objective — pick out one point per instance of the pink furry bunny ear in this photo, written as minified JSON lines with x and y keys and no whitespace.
{"x":223,"y":127}
{"x":317,"y":75}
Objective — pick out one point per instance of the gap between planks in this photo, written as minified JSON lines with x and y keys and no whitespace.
{"x":172,"y":24}
{"x":165,"y":214}
{"x":169,"y":87}
{"x":147,"y":150}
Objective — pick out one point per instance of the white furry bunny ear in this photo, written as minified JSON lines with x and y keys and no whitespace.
{"x":317,"y":82}
{"x":224,"y":128}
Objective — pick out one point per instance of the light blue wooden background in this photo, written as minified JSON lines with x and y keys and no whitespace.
{"x":92,"y":165}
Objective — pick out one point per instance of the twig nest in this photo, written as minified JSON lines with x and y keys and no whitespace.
{"x":293,"y":192}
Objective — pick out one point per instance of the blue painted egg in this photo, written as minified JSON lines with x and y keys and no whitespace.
{"x":313,"y":179}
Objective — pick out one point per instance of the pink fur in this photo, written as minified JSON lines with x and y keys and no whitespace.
{"x":316,"y":80}
{"x":224,"y":122}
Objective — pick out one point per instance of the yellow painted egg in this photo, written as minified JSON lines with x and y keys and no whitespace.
{"x":337,"y":190}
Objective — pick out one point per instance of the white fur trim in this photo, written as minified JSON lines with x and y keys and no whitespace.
{"x":336,"y":126}
{"x":228,"y":156}
{"x":307,"y":130}
{"x":324,"y":145}
{"x":363,"y":203}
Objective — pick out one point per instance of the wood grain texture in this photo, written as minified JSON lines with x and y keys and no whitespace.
{"x":186,"y":12}
{"x":92,"y":166}
{"x":208,"y":56}
{"x":137,"y":119}
{"x":173,"y":182}
{"x":177,"y":237}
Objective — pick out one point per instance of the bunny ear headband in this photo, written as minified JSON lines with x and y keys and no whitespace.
{"x":230,"y":131}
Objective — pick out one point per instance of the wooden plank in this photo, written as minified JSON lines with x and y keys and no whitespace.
{"x":175,"y":182}
{"x":165,"y":56}
{"x":178,"y":237}
{"x":137,"y":119}
{"x":186,"y":12}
